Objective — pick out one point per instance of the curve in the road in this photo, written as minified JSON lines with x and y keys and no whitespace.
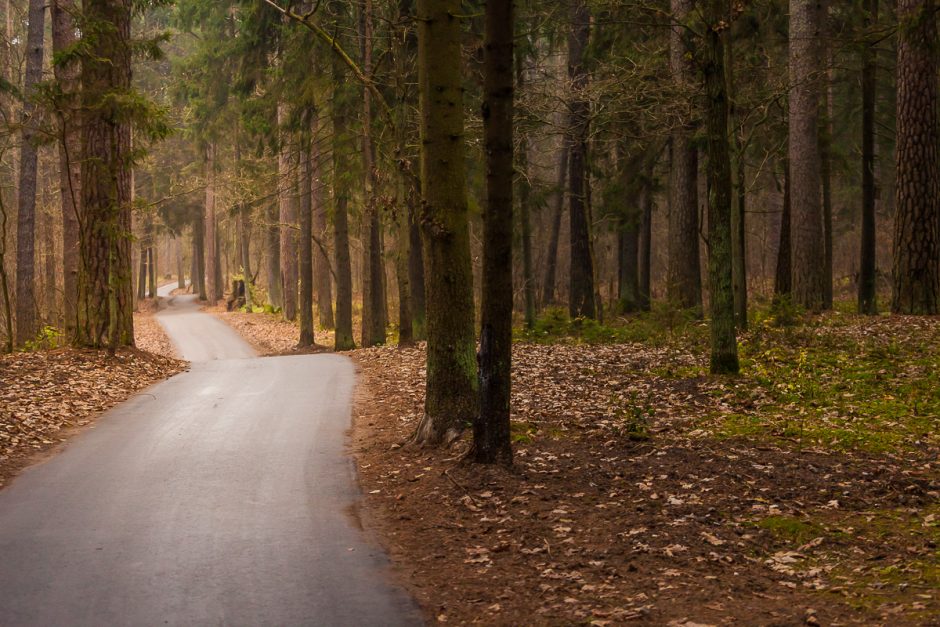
{"x":217,"y":497}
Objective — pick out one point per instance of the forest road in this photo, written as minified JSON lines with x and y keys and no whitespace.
{"x":219,"y":497}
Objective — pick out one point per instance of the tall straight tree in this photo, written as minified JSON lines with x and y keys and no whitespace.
{"x":724,"y":347}
{"x":867,"y":301}
{"x":343,"y":338}
{"x":684,"y":273}
{"x":806,"y":237}
{"x":582,"y":300}
{"x":491,"y":437}
{"x":917,"y":223}
{"x":105,"y":285}
{"x":373,"y":271}
{"x":451,"y":394}
{"x":557,"y":207}
{"x":287,"y":214}
{"x":26,"y":208}
{"x":213,"y":287}
{"x":67,"y":75}
{"x":305,"y":240}
{"x":321,"y":261}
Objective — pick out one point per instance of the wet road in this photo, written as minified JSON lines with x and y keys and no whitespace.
{"x":219,"y":497}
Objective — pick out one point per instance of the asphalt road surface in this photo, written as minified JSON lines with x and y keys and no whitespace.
{"x":219,"y":497}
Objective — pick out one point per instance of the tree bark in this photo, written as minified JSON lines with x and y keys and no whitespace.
{"x":199,"y":255}
{"x":739,"y":204}
{"x":632,"y":189}
{"x":724,"y":346}
{"x":917,"y":223}
{"x":343,"y":267}
{"x":867,"y":286}
{"x":783,"y":277}
{"x":373,"y":271}
{"x":26,"y":305}
{"x":825,"y":149}
{"x":321,"y":262}
{"x":524,"y":191}
{"x":807,"y":241}
{"x":558,"y":206}
{"x":67,"y":75}
{"x":451,"y":400}
{"x":581,"y":294}
{"x":287,"y":217}
{"x":416,"y":270}
{"x":105,"y":285}
{"x":684,"y":273}
{"x":646,"y":239}
{"x":491,"y":436}
{"x":305,"y":239}
{"x":213,"y":289}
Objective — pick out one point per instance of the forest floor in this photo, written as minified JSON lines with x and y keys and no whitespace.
{"x":806,"y":491}
{"x":48,"y":394}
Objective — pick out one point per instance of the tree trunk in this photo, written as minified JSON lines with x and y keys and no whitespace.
{"x":305,"y":239}
{"x":783,"y":278}
{"x":684,"y":273}
{"x":867,"y":286}
{"x":26,"y":305}
{"x":416,"y":271}
{"x":373,"y":272}
{"x":628,"y":232}
{"x":105,"y":285}
{"x":917,"y":222}
{"x":558,"y":206}
{"x":739,"y":204}
{"x":825,"y":149}
{"x":180,"y":272}
{"x":581,"y":287}
{"x":724,"y":345}
{"x":524,"y":189}
{"x":199,"y":255}
{"x":213,"y":288}
{"x":451,"y":400}
{"x":491,"y":437}
{"x":287,"y":217}
{"x":646,"y":238}
{"x":67,"y":75}
{"x":807,"y":242}
{"x":321,"y":262}
{"x":343,"y":267}
{"x":272,"y":244}
{"x":48,"y":268}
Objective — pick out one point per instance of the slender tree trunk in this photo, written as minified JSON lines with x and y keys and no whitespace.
{"x":343,"y":266}
{"x":739,"y":205}
{"x":199,"y":256}
{"x":287,"y":217}
{"x":105,"y":283}
{"x":373,"y":271}
{"x":451,"y":399}
{"x":491,"y":437}
{"x":646,"y":238}
{"x":321,"y":262}
{"x":67,"y":75}
{"x":48,"y":268}
{"x":180,"y":272}
{"x":213,"y":288}
{"x":917,"y":222}
{"x":684,"y":273}
{"x":558,"y":206}
{"x":416,"y":271}
{"x":26,"y":304}
{"x":142,"y":271}
{"x":807,"y":242}
{"x":724,"y":346}
{"x":783,"y":278}
{"x":825,"y":149}
{"x":628,"y":232}
{"x":524,"y":191}
{"x":305,"y":239}
{"x":581,"y":287}
{"x":867,"y":286}
{"x":152,"y":268}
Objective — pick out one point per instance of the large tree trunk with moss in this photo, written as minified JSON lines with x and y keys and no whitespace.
{"x":807,"y":241}
{"x":451,"y":394}
{"x":724,"y":346}
{"x":917,"y":222}
{"x":581,"y":294}
{"x":373,"y":271}
{"x":105,"y":285}
{"x":491,"y":437}
{"x":67,"y":75}
{"x":683,"y":268}
{"x":26,"y":303}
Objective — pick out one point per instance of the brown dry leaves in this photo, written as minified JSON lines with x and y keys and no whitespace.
{"x":591,"y":527}
{"x":269,"y":334}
